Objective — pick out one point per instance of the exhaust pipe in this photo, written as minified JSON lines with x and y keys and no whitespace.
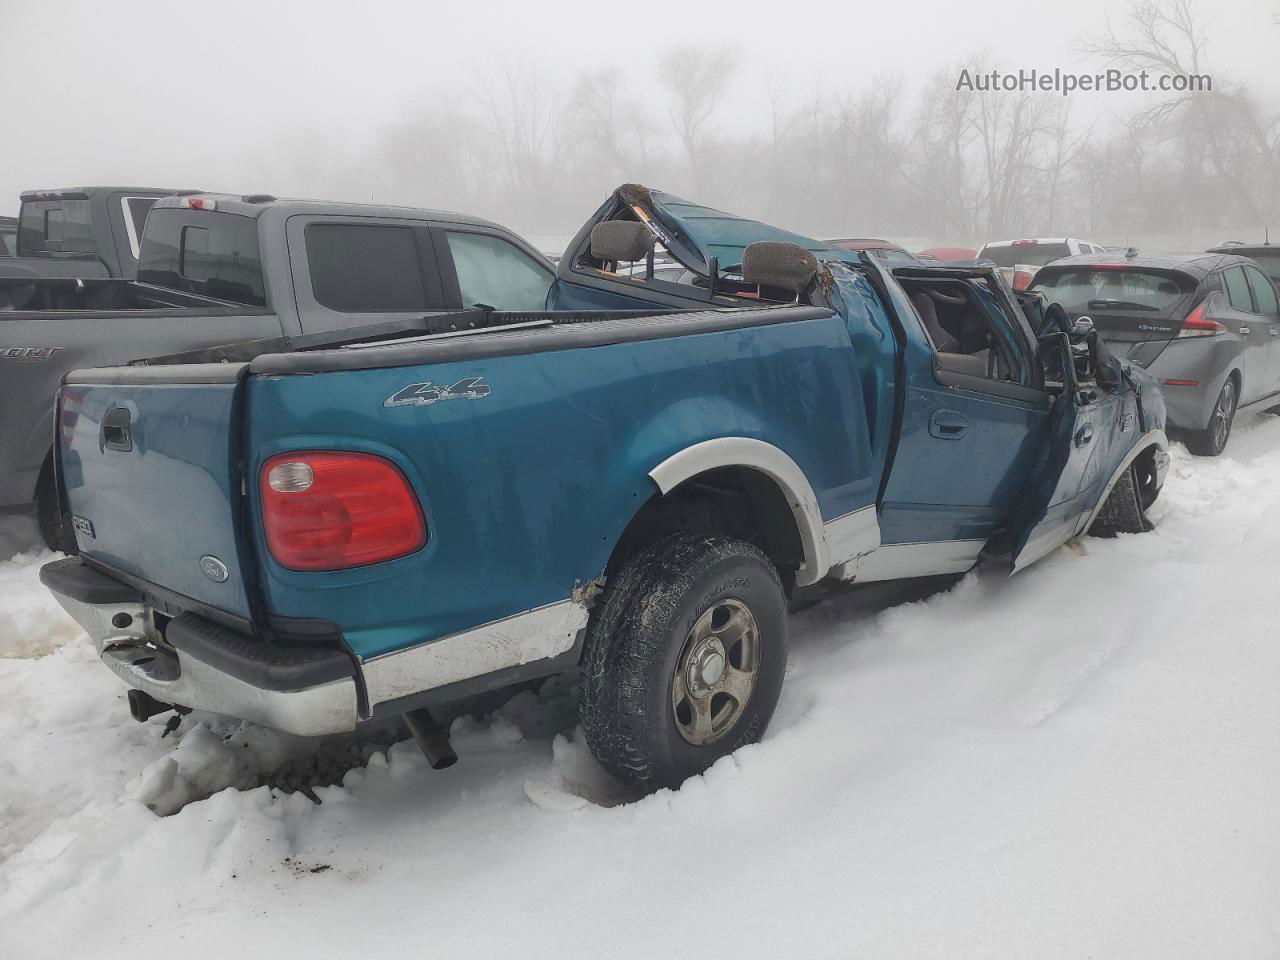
{"x":431,"y":737}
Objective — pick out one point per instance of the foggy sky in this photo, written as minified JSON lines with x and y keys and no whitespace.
{"x":208,"y":95}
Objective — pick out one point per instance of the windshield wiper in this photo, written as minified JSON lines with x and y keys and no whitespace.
{"x":1121,"y":305}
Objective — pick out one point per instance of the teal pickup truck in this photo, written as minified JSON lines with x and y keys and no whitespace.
{"x":633,"y":483}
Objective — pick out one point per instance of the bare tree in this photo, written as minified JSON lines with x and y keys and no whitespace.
{"x":1230,"y":139}
{"x":695,"y":80}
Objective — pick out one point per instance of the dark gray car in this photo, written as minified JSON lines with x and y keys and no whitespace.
{"x":1206,"y":325}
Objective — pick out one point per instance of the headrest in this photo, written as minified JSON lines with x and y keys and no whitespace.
{"x":772,"y":263}
{"x":626,"y":240}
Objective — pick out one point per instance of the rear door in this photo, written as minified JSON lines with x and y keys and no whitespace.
{"x":149,"y":460}
{"x":1267,"y":308}
{"x":1239,"y":314}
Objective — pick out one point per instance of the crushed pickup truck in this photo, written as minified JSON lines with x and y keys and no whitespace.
{"x":310,"y":539}
{"x":218,"y":269}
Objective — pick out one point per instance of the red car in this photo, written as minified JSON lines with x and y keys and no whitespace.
{"x":949,"y":253}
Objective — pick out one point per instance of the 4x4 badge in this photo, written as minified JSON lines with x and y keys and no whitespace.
{"x":421,"y":394}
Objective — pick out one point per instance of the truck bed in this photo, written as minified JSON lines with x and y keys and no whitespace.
{"x":26,"y":298}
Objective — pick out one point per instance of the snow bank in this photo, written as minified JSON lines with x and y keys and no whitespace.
{"x":1078,"y":761}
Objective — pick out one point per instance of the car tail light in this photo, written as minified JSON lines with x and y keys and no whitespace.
{"x":198,"y":203}
{"x":1022,"y":279}
{"x":331,"y":511}
{"x":1196,"y":325}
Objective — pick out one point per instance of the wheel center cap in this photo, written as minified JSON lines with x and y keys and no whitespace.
{"x":706,"y":667}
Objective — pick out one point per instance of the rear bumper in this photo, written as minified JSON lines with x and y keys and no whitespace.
{"x":199,"y":664}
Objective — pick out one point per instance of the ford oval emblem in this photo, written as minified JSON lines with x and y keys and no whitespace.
{"x":213,"y":568}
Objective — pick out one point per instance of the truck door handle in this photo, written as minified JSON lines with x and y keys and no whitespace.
{"x":948,"y":425}
{"x":116,"y":434}
{"x":1084,"y":435}
{"x":1274,"y":332}
{"x":1244,"y":329}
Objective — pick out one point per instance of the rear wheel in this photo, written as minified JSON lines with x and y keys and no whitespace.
{"x":685,"y":659}
{"x":1212,"y":440}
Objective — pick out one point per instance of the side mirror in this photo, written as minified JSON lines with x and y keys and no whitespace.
{"x":773,"y":263}
{"x":621,"y":240}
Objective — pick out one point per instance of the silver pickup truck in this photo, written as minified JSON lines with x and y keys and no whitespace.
{"x":215,"y":270}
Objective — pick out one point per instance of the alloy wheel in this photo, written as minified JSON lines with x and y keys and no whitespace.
{"x":716,"y":672}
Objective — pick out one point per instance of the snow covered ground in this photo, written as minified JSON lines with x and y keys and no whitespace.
{"x":1083,"y":761}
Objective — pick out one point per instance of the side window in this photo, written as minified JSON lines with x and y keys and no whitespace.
{"x":366,"y":268}
{"x":1237,"y":289}
{"x":497,"y":273}
{"x":1264,"y":294}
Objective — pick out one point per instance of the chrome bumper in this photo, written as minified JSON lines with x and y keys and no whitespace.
{"x":123,"y":632}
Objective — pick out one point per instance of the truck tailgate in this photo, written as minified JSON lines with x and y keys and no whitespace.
{"x":150,"y":464}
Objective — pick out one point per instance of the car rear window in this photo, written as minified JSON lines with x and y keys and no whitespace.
{"x":55,"y":226}
{"x":1035,"y":254}
{"x":205,"y":252}
{"x":1082,"y":289}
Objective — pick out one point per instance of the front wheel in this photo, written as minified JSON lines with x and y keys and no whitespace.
{"x":685,"y":659}
{"x":1212,"y":440}
{"x":1125,"y":510}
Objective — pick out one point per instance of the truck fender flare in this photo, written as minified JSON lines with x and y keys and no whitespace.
{"x":778,"y":467}
{"x":1152,"y":438}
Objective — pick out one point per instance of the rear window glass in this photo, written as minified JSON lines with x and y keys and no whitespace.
{"x":1035,"y":254}
{"x":361,"y":268}
{"x":55,"y":226}
{"x":8,"y":240}
{"x":204,"y":252}
{"x":1083,"y":289}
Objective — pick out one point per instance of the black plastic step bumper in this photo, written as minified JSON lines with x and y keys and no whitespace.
{"x":196,"y":663}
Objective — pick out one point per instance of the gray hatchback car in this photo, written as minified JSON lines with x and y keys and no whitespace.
{"x":1206,"y":325}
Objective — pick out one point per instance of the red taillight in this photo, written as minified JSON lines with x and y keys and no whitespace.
{"x":1197,"y":326}
{"x":1022,"y":279}
{"x":199,"y":203}
{"x":330,"y":511}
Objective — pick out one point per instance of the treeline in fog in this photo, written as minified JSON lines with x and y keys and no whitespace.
{"x":538,"y":151}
